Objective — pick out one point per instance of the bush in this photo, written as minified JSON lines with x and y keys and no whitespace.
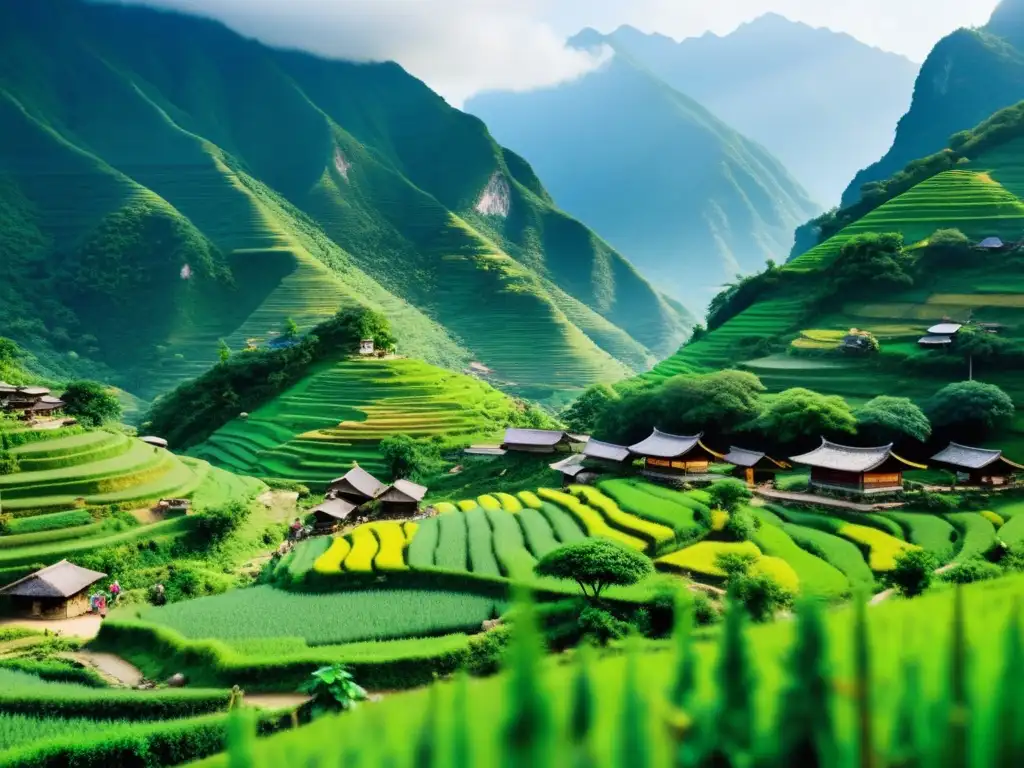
{"x":741,"y":525}
{"x":217,"y":523}
{"x":600,"y":626}
{"x":733,"y":563}
{"x":760,"y":594}
{"x":972,"y":570}
{"x":8,"y":463}
{"x":939,"y":503}
{"x":729,"y":494}
{"x":91,"y":403}
{"x":704,"y":610}
{"x":913,"y":573}
{"x":407,"y":457}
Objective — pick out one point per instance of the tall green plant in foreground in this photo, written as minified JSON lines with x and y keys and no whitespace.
{"x":527,"y":730}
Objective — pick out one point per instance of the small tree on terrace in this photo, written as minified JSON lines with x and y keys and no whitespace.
{"x":729,"y":494}
{"x":584,"y":412}
{"x":890,"y":419}
{"x":972,"y":407}
{"x":595,"y":563}
{"x":800,"y":414}
{"x":91,"y":403}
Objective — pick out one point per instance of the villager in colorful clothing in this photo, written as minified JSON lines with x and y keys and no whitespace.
{"x":115,"y":591}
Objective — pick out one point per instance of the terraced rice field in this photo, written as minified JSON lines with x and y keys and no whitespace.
{"x":313,"y":432}
{"x":63,"y":477}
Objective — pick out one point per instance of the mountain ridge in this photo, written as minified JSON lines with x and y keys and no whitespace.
{"x":291,"y":186}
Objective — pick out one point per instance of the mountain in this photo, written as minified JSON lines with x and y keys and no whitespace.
{"x":686,"y":198}
{"x":968,"y":75}
{"x":165,"y":183}
{"x":788,"y":327}
{"x":822,"y":102}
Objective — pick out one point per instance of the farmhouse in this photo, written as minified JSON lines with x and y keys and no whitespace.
{"x":855,"y":470}
{"x":401,"y":499}
{"x":156,"y":442}
{"x":356,"y":486}
{"x":977,"y":466}
{"x":537,"y":441}
{"x":31,"y":401}
{"x":753,"y":466}
{"x":607,"y":454}
{"x":55,"y":592}
{"x":674,"y":456}
{"x":366,"y":346}
{"x":940,"y":335}
{"x":991,"y":244}
{"x":330,"y":513}
{"x":572,"y":469}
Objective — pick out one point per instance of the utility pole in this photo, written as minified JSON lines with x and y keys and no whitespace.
{"x":970,"y":367}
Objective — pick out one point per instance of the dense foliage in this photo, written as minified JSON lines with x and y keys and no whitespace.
{"x":888,"y":419}
{"x":408,"y":457}
{"x":595,"y":563}
{"x":800,"y":415}
{"x":973,"y":408}
{"x":582,"y":416}
{"x":91,"y":403}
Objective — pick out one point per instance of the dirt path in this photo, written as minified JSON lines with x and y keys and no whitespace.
{"x":147,"y":516}
{"x":113,"y":669}
{"x":275,"y":700}
{"x":87,"y":626}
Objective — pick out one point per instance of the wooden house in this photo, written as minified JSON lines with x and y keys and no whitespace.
{"x":606,"y":454}
{"x":674,"y":456}
{"x":754,"y":466}
{"x":356,"y":486}
{"x":537,"y":441}
{"x":860,"y":471}
{"x":977,"y":466}
{"x":401,"y":499}
{"x":56,"y":592}
{"x":331,"y":513}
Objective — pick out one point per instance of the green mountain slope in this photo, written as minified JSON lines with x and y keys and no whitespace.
{"x":968,"y":75}
{"x":137,"y":142}
{"x":777,"y":81}
{"x":782,"y":336}
{"x":687,"y":199}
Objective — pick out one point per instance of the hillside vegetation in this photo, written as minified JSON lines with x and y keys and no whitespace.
{"x":786,"y":325}
{"x":160,"y":196}
{"x":688,"y":199}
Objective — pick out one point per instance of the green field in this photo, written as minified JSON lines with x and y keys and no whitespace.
{"x":314,"y":431}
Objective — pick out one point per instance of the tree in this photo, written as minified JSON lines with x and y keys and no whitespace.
{"x":913,"y":572}
{"x":947,"y":247}
{"x":91,"y":403}
{"x":872,"y":261}
{"x":595,"y":563}
{"x":582,"y":416}
{"x":887,"y":419}
{"x":978,"y":344}
{"x":223,"y":351}
{"x":215,"y":524}
{"x":800,"y":414}
{"x":729,"y":494}
{"x":407,"y":457}
{"x":289,"y":329}
{"x":973,"y":407}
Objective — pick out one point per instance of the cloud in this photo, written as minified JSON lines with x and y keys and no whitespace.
{"x":458,"y":47}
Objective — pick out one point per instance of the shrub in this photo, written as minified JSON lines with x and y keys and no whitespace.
{"x":760,"y":594}
{"x":601,"y":626}
{"x":993,"y":518}
{"x":969,"y":571}
{"x":8,"y":463}
{"x":741,"y":525}
{"x":407,"y":457}
{"x":971,"y":407}
{"x":732,"y":563}
{"x":91,"y":403}
{"x":939,"y":503}
{"x":704,"y":610}
{"x":595,"y":563}
{"x":729,"y":494}
{"x":217,"y":523}
{"x":913,"y":572}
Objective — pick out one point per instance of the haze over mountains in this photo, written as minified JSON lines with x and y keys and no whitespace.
{"x":822,"y":102}
{"x":688,"y":199}
{"x":139,"y":143}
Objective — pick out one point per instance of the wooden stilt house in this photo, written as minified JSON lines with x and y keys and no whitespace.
{"x":675,"y":456}
{"x":977,"y":466}
{"x":858,"y":471}
{"x":754,"y":466}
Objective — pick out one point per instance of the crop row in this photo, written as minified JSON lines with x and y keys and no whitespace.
{"x":591,"y":520}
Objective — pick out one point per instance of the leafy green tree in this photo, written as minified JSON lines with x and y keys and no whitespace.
{"x":216,"y":524}
{"x":947,"y":247}
{"x":760,"y":594}
{"x":806,"y":725}
{"x":10,"y":352}
{"x":334,"y":689}
{"x":914,"y":572}
{"x":595,"y":563}
{"x":887,"y":419}
{"x":91,"y":403}
{"x":801,"y":414}
{"x":407,"y":457}
{"x":223,"y":352}
{"x":980,"y":345}
{"x":729,"y":494}
{"x":289,"y":329}
{"x":872,"y":261}
{"x":582,"y":416}
{"x":971,"y":407}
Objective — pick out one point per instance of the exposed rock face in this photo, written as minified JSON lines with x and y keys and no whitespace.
{"x":496,"y":199}
{"x":341,"y":164}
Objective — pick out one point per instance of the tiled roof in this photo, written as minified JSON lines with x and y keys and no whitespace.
{"x":595,"y":449}
{"x":662,"y":445}
{"x":945,"y":329}
{"x":846,"y":458}
{"x":571,"y":465}
{"x":539,"y":437}
{"x":741,"y":457}
{"x":339,"y":509}
{"x":968,"y":457}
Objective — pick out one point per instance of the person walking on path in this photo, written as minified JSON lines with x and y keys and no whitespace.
{"x":102,"y":604}
{"x":115,"y":592}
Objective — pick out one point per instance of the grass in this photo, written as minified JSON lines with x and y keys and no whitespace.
{"x":322,"y":619}
{"x":883,"y":548}
{"x":16,"y":730}
{"x":590,"y":519}
{"x":339,"y":414}
{"x":929,"y":531}
{"x":976,"y":534}
{"x":840,"y":553}
{"x":660,"y":538}
{"x":817,"y":577}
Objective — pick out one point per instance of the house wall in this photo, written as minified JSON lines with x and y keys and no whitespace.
{"x":698,"y":467}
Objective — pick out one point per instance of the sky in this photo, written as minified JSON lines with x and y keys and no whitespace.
{"x":462,"y":47}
